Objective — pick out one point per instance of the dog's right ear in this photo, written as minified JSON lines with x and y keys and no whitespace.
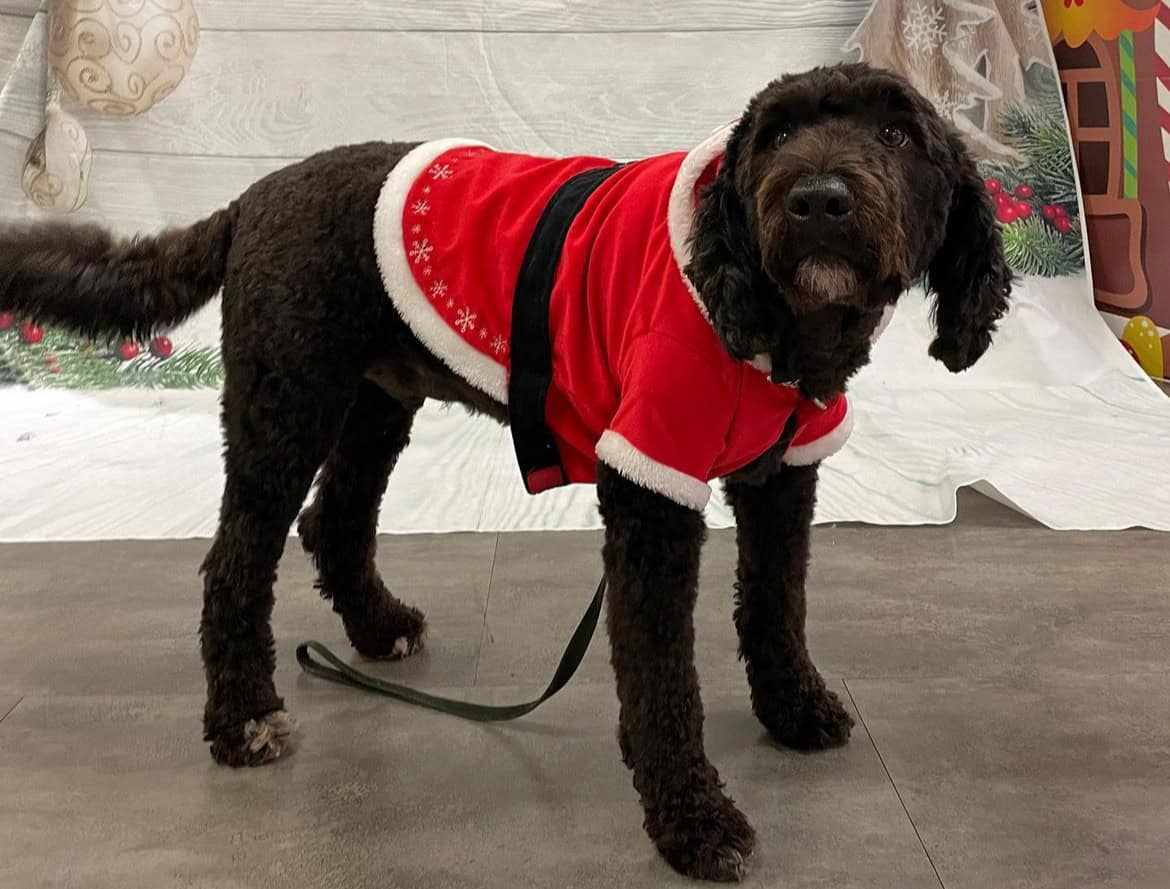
{"x":725,"y":265}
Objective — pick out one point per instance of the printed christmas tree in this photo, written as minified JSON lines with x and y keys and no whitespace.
{"x":986,"y":66}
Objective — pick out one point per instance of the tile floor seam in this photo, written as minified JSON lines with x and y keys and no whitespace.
{"x":890,"y":778}
{"x":13,"y":707}
{"x":486,"y":605}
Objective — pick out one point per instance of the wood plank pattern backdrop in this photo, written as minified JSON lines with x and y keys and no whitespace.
{"x":275,"y":80}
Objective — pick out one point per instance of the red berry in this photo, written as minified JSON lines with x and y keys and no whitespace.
{"x":1003,"y":199}
{"x":161,"y":347}
{"x":31,"y":334}
{"x":1050,"y":211}
{"x":127,"y":350}
{"x":1023,"y":210}
{"x":1023,"y":190}
{"x":1060,"y":211}
{"x":1063,"y":225}
{"x":1006,"y":214}
{"x":55,"y":369}
{"x":7,"y":321}
{"x":993,"y":185}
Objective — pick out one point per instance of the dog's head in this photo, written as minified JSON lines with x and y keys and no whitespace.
{"x":839,"y":187}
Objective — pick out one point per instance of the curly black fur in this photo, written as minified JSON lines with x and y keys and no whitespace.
{"x":651,"y":558}
{"x":128,"y":288}
{"x":322,"y":372}
{"x":968,"y":273}
{"x":772,"y":531}
{"x":920,"y":206}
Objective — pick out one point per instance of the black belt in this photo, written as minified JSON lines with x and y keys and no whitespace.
{"x":531,"y":340}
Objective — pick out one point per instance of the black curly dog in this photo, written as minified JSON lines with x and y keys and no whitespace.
{"x":322,"y":374}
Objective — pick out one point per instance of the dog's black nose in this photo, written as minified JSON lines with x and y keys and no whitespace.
{"x":819,"y":205}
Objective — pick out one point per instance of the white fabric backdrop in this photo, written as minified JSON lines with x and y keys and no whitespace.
{"x":1057,"y":420}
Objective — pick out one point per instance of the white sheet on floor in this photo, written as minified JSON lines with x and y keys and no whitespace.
{"x":1057,"y":421}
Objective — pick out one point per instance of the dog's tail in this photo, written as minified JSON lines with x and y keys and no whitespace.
{"x":82,"y":278}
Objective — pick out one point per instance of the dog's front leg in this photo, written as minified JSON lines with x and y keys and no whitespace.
{"x":652,"y":548}
{"x":773,"y":522}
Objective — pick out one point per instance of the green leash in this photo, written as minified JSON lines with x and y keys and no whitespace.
{"x":344,"y":674}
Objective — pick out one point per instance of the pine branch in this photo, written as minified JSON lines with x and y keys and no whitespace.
{"x":1033,"y":247}
{"x":61,"y":360}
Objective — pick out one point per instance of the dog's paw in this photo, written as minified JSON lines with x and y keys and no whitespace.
{"x":392,"y":632}
{"x":814,"y":720}
{"x":708,"y":839}
{"x":254,"y":742}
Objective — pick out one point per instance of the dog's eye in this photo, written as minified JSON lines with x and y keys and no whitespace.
{"x":782,"y":137}
{"x":893,"y":136}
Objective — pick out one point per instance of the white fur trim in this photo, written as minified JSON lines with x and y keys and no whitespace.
{"x":680,"y":210}
{"x":763,"y":363}
{"x":825,"y":446}
{"x":481,"y":371}
{"x":887,"y":317}
{"x":614,"y":450}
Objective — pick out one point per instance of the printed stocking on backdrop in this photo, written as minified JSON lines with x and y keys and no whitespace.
{"x":1058,"y":420}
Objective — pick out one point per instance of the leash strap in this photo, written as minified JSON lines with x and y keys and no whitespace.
{"x":344,"y":674}
{"x":530,"y":372}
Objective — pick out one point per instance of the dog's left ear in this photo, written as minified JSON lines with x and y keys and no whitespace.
{"x":969,"y":275}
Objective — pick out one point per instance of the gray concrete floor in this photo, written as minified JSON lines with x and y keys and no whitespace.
{"x":1012,"y":684}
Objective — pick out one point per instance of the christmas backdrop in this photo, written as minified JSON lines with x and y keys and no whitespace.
{"x":121,"y":439}
{"x":1114,"y":61}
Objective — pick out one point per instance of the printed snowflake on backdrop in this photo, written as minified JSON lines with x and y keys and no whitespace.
{"x":420,"y":208}
{"x":439,"y":288}
{"x":924,"y":28}
{"x":465,"y":319}
{"x":499,"y":344}
{"x":964,"y":33}
{"x":442,"y":171}
{"x":420,"y":251}
{"x":946,"y":103}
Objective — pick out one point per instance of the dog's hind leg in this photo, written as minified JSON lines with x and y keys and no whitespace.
{"x":789,"y":696}
{"x":278,"y":427}
{"x":339,"y":529}
{"x":652,"y":548}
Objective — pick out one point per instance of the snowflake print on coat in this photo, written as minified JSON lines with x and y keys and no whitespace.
{"x":420,"y":208}
{"x":499,"y":344}
{"x":924,"y":27}
{"x":421,"y":250}
{"x":439,"y":289}
{"x":442,"y":171}
{"x":465,"y":319}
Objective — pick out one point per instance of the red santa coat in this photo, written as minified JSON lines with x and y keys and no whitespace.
{"x":640,"y":380}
